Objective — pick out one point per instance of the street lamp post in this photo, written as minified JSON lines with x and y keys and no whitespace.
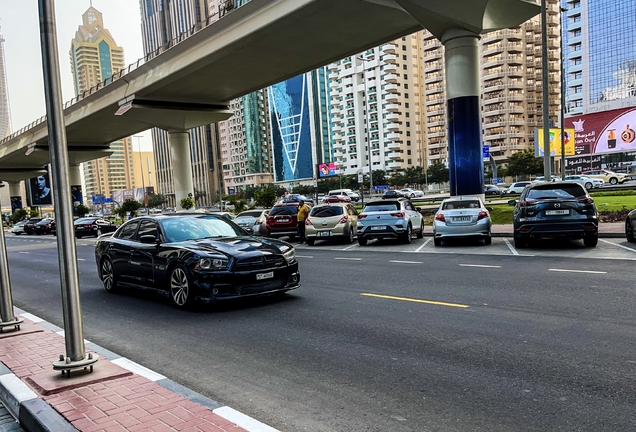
{"x":562,"y":99}
{"x":547,"y":172}
{"x":141,"y":167}
{"x":367,"y":128}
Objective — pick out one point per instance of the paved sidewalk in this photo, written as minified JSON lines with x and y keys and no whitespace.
{"x":119,"y":395}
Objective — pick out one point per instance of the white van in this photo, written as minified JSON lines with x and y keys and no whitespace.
{"x":348,"y":192}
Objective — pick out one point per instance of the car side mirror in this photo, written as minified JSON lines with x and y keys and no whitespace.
{"x":148,"y":239}
{"x":250,"y":231}
{"x":512,"y":202}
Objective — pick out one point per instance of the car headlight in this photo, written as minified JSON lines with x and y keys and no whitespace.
{"x":290,"y":256}
{"x":212,"y":263}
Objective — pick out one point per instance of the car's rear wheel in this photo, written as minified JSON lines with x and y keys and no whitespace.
{"x":351,"y":237}
{"x":437,"y":241}
{"x":310,"y":242}
{"x":408,"y":235}
{"x":488,"y":240}
{"x":590,"y":241}
{"x":420,"y":233}
{"x":589,"y":186}
{"x":99,"y":232}
{"x":108,"y":277}
{"x":629,"y":232}
{"x":520,"y":243}
{"x":180,"y":287}
{"x":362,"y":241}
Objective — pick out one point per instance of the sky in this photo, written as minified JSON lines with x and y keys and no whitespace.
{"x":19,"y":27}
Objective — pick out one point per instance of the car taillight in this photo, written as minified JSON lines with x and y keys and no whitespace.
{"x":362,"y":216}
{"x":343,"y":219}
{"x":308,"y":222}
{"x":88,"y":226}
{"x":586,"y":200}
{"x":440,"y":217}
{"x":527,"y":203}
{"x":397,"y":214}
{"x":482,"y":215}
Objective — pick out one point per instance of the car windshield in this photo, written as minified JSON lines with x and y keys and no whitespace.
{"x":380,"y":207}
{"x":184,"y":228}
{"x":454,"y":205}
{"x":551,"y":191}
{"x":284,"y":210}
{"x":326,"y":211}
{"x":253,"y":214}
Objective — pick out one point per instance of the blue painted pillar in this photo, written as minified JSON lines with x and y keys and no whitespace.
{"x":15,"y":195}
{"x":75,"y":180}
{"x":465,"y":158}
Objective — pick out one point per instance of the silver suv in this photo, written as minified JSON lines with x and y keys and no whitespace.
{"x":389,"y":218}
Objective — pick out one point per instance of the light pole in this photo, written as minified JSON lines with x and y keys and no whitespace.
{"x":562,"y":98}
{"x":547,"y":172}
{"x":141,"y":167}
{"x":368,"y":125}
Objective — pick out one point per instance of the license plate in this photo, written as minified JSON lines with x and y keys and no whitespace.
{"x":261,"y":276}
{"x":324,"y":233}
{"x":283,"y":220}
{"x":461,"y":219}
{"x":557,"y":212}
{"x":378,"y":228}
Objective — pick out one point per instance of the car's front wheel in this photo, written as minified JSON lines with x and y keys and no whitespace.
{"x":310,"y":241}
{"x":107,"y":273}
{"x":351,"y":237}
{"x":99,"y":232}
{"x":520,"y":243}
{"x":613,"y":181}
{"x":362,"y":241}
{"x":180,"y":287}
{"x":589,"y":186}
{"x":420,"y":233}
{"x":590,"y":241}
{"x":629,"y":232}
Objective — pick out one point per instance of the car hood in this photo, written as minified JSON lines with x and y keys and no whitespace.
{"x":237,"y":246}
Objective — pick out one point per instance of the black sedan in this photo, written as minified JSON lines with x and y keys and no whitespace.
{"x":392,"y":194}
{"x":195,"y":257}
{"x":630,"y":226}
{"x":493,"y":190}
{"x":43,"y":227}
{"x":29,"y":226}
{"x":93,"y":227}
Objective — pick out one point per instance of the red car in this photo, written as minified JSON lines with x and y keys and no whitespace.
{"x":337,"y":198}
{"x":282,"y":220}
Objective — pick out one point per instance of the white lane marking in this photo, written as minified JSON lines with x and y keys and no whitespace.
{"x":512,"y":249}
{"x":424,"y":245}
{"x":81,"y":259}
{"x":350,"y":259}
{"x":479,"y":265}
{"x":578,"y":271}
{"x":26,"y":253}
{"x":138,"y":369}
{"x":304,"y":256}
{"x":406,"y":262}
{"x":616,"y":244}
{"x":351,"y":247}
{"x":246,"y":422}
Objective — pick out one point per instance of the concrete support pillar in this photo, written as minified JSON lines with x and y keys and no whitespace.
{"x":75,"y":179}
{"x":15,"y":195}
{"x":465,"y":151}
{"x":181,"y":165}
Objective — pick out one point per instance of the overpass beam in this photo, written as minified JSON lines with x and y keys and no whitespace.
{"x":181,"y":164}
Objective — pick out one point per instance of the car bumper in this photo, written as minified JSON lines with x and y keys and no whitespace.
{"x":368,"y":232}
{"x":556,"y":229}
{"x":326,"y":233}
{"x":480,"y":229}
{"x":283,"y":233}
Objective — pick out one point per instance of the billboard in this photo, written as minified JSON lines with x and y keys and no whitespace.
{"x":604,"y":132}
{"x":326,"y":170}
{"x":40,"y":190}
{"x":555,"y":142}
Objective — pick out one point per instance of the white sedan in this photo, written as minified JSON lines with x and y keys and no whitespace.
{"x":412,"y":193}
{"x":462,"y":218}
{"x":587,"y":182}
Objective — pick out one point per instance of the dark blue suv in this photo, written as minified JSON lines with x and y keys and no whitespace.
{"x":555,"y":210}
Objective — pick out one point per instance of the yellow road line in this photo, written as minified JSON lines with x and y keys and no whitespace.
{"x":416,"y":300}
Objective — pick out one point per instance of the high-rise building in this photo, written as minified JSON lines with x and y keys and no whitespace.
{"x":600,"y":55}
{"x":161,"y":22}
{"x":95,"y":56}
{"x":377,"y":106}
{"x":5,"y":117}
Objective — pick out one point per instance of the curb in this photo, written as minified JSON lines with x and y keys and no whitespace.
{"x":35,"y":415}
{"x":509,"y":234}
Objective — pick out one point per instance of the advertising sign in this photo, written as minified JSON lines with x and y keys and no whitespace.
{"x":604,"y":132}
{"x":555,"y":142}
{"x":326,"y":170}
{"x":40,"y":190}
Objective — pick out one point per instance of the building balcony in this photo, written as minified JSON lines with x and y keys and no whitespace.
{"x":488,"y":63}
{"x":437,"y":134}
{"x":391,"y":97}
{"x":392,"y":117}
{"x":394,"y":155}
{"x":338,"y":154}
{"x":433,"y":101}
{"x":393,"y":136}
{"x":394,"y":164}
{"x":435,"y":112}
{"x":337,"y":128}
{"x":391,"y":78}
{"x":492,"y":37}
{"x":433,"y":54}
{"x":388,"y":48}
{"x":392,"y":107}
{"x":336,"y":110}
{"x":392,"y":126}
{"x":492,"y":75}
{"x":438,"y":145}
{"x":391,"y":88}
{"x":334,"y":75}
{"x":389,"y":68}
{"x":389,"y":58}
{"x":338,"y":137}
{"x":433,"y":79}
{"x":392,"y":145}
{"x":338,"y":145}
{"x":432,"y":66}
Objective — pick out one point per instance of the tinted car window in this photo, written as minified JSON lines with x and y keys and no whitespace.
{"x":84,"y":221}
{"x":284,"y":210}
{"x":127,"y":231}
{"x":464,"y":204}
{"x":555,"y":191}
{"x":192,"y":228}
{"x":381,"y":207}
{"x":253,"y":213}
{"x":147,"y":227}
{"x":326,"y":211}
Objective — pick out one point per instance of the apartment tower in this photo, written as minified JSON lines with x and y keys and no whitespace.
{"x":5,"y":117}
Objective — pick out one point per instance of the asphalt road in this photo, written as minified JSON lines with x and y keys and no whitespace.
{"x":384,"y":341}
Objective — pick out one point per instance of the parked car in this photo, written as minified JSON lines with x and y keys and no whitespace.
{"x":587,"y":182}
{"x":43,"y":227}
{"x":555,"y":210}
{"x":297,"y":198}
{"x":18,"y":228}
{"x":411,"y":193}
{"x":331,"y":221}
{"x":607,"y":176}
{"x":493,"y":190}
{"x":260,"y":224}
{"x":282,"y":220}
{"x":194,"y":257}
{"x":462,"y":218}
{"x":395,"y":218}
{"x":54,"y":228}
{"x":392,"y":194}
{"x":247,"y":218}
{"x":517,"y":187}
{"x":542,"y":179}
{"x":29,"y":226}
{"x":630,"y":226}
{"x":210,"y":210}
{"x":354,"y":196}
{"x":336,"y":198}
{"x":92,"y":226}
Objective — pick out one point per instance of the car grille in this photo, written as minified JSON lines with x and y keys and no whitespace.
{"x":259,"y":287}
{"x":260,"y":263}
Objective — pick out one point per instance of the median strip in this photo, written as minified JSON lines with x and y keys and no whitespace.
{"x":416,"y":300}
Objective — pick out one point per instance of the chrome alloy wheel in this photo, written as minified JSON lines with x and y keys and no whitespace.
{"x":108,"y":277}
{"x":179,"y":286}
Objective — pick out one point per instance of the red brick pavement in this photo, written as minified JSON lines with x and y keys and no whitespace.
{"x":130,"y":403}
